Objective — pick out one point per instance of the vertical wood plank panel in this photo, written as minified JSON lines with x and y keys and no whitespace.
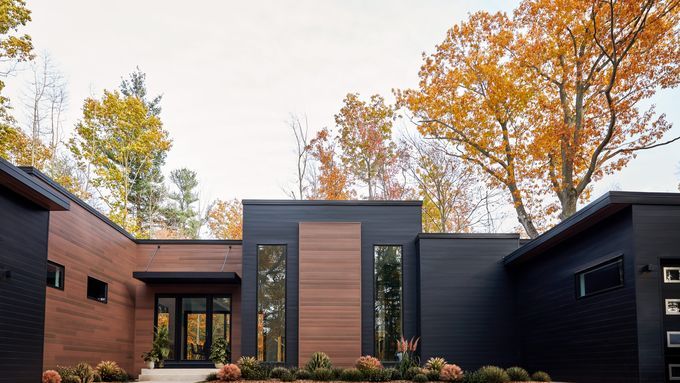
{"x":330,"y":291}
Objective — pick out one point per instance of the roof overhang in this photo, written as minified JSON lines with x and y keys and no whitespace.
{"x":186,"y":277}
{"x":24,"y":185}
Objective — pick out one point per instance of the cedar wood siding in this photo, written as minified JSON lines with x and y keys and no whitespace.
{"x":466,"y":301}
{"x":23,"y":251}
{"x":587,"y":340}
{"x":657,"y":238}
{"x":277,"y":223}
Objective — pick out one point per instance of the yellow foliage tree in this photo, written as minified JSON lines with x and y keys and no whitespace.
{"x":332,"y":180}
{"x":225,"y":219}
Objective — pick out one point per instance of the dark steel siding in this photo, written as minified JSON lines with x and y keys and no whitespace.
{"x":23,"y":250}
{"x":588,"y":340}
{"x":657,"y":236}
{"x":278,"y":224}
{"x":466,"y":302}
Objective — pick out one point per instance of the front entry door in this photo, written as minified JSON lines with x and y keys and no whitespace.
{"x":193,"y":323}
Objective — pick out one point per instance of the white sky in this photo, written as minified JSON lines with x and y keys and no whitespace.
{"x":232,"y":72}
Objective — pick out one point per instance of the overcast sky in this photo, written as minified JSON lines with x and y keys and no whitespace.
{"x":232,"y":72}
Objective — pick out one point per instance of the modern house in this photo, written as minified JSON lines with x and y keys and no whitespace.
{"x":595,"y":299}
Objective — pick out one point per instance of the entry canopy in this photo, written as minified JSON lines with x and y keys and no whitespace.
{"x":178,"y":277}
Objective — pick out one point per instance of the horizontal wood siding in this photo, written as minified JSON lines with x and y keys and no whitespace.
{"x":330,"y":291}
{"x":189,"y":257}
{"x":23,"y":251}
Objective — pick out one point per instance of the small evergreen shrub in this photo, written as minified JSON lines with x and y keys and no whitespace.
{"x":51,"y":376}
{"x":211,"y":377}
{"x":277,"y":372}
{"x":322,"y":374}
{"x":394,"y":373}
{"x":303,"y":374}
{"x":493,"y":374}
{"x":254,"y":373}
{"x":337,"y":371}
{"x":109,"y":371}
{"x":247,"y":361}
{"x":229,"y":373}
{"x":450,"y":373}
{"x":351,"y":375}
{"x":435,"y":364}
{"x":413,"y":371}
{"x":472,"y":377}
{"x":540,"y":376}
{"x":432,"y":375}
{"x":68,"y":375}
{"x":85,"y":372}
{"x":287,"y":376}
{"x":377,"y":375}
{"x":319,"y":360}
{"x":420,"y":378}
{"x":367,"y":362}
{"x":518,"y":374}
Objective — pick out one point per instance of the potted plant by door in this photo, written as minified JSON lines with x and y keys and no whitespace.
{"x":160,"y":348}
{"x":219,"y":352}
{"x":150,"y":359}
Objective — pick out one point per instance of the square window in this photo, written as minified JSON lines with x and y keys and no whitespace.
{"x":603,"y":277}
{"x":674,"y":371}
{"x":673,"y":339}
{"x":671,"y":274}
{"x":97,"y":290}
{"x":672,"y":306}
{"x":55,"y":275}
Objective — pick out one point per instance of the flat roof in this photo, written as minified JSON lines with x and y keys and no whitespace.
{"x":14,"y":179}
{"x":175,"y":277}
{"x":596,"y":211}
{"x":468,"y":236}
{"x":332,"y":202}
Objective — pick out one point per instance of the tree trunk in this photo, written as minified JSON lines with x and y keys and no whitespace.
{"x":522,"y":216}
{"x":568,"y":200}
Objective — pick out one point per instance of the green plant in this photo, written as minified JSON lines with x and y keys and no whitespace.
{"x":337,"y":371}
{"x":351,"y":375}
{"x":394,"y":373}
{"x":493,"y":374}
{"x":471,"y":377}
{"x":540,"y":376}
{"x":276,"y":372}
{"x":435,"y":364}
{"x":85,"y":372}
{"x":322,"y":374}
{"x":377,"y":375}
{"x":254,"y":373}
{"x":319,"y":360}
{"x":432,"y":375}
{"x":287,"y":376}
{"x":211,"y":377}
{"x":518,"y":374}
{"x":407,"y":350}
{"x":229,"y":373}
{"x":248,"y":362}
{"x":303,"y":374}
{"x":450,"y":373}
{"x":51,"y":376}
{"x":367,"y":362}
{"x":420,"y":378}
{"x":109,"y":371}
{"x":412,"y":371}
{"x":161,"y":345}
{"x":68,"y":375}
{"x":219,"y":351}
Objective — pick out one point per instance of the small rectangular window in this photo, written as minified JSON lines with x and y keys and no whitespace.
{"x":674,"y":372}
{"x":603,"y":277}
{"x":673,"y":339}
{"x":97,"y":290}
{"x":672,"y":306}
{"x":671,"y":274}
{"x":55,"y":275}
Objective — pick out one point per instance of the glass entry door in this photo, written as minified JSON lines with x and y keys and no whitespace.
{"x":193,"y":323}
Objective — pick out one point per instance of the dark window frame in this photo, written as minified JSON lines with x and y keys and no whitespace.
{"x":257,"y":303}
{"x":106,"y":290}
{"x":375,"y":290}
{"x":63,"y":275}
{"x":605,"y":263}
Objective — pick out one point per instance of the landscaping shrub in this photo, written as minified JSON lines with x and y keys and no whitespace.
{"x":229,"y":373}
{"x":394,"y":373}
{"x":85,"y":372}
{"x":110,"y":371}
{"x":377,"y":375}
{"x":287,"y":376}
{"x":540,"y":376}
{"x":219,"y":351}
{"x":68,"y":375}
{"x":420,"y":378}
{"x":337,"y":372}
{"x":247,"y":361}
{"x":493,"y":374}
{"x":303,"y":374}
{"x":450,"y":373}
{"x":322,"y":374}
{"x":352,"y":375}
{"x":277,"y":372}
{"x":367,"y":362}
{"x":211,"y":377}
{"x":472,"y":377}
{"x":413,"y":371}
{"x":432,"y":375}
{"x":518,"y":374}
{"x":435,"y":364}
{"x":319,"y":360}
{"x":252,"y":369}
{"x":51,"y":376}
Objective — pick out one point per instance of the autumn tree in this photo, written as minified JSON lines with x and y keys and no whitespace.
{"x":549,"y":100}
{"x":300,"y":128}
{"x":330,"y":178}
{"x":119,"y":139}
{"x":225,"y":219}
{"x":365,"y":139}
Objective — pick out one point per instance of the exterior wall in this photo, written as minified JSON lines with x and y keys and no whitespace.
{"x":657,"y":238}
{"x":189,"y":256}
{"x":330,"y":291}
{"x":23,"y":250}
{"x":587,"y":340}
{"x":77,"y":328}
{"x":466,"y":302}
{"x":381,"y":224}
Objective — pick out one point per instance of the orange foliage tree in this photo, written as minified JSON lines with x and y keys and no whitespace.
{"x":549,"y":100}
{"x":225,"y":219}
{"x":332,"y":181}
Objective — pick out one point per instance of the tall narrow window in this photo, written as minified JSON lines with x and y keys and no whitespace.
{"x":271,"y":303}
{"x":388,"y":285}
{"x":165,"y":318}
{"x":55,"y":275}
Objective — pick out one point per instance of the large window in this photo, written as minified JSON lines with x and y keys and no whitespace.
{"x":55,"y":275}
{"x":388,"y":286}
{"x":97,"y":290}
{"x":603,"y":277}
{"x":271,"y":303}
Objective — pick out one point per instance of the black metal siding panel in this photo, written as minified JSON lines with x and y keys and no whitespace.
{"x":23,"y":250}
{"x":588,"y":340}
{"x":466,"y":301}
{"x":657,"y":236}
{"x":278,"y":224}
